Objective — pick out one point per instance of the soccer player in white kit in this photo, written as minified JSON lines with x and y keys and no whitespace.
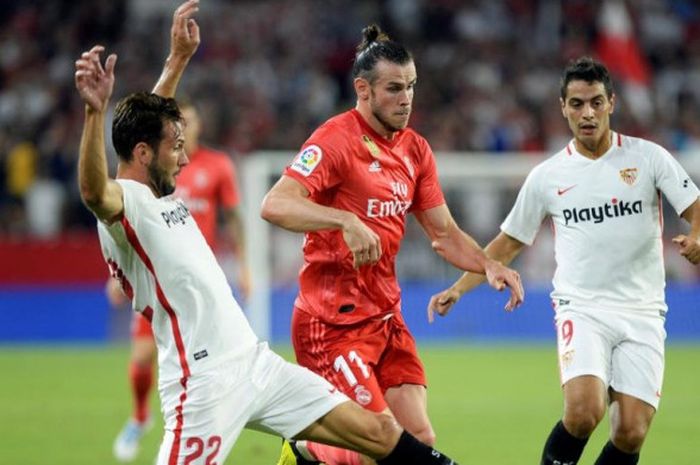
{"x":215,"y":377}
{"x":602,"y":193}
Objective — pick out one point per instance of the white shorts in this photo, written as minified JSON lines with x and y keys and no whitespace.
{"x":205,"y":415}
{"x":624,"y":349}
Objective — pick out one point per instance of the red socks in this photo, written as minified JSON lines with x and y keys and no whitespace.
{"x":141,"y":378}
{"x":333,"y":455}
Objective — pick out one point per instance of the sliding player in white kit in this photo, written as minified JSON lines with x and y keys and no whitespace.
{"x":602,"y":193}
{"x":215,"y":377}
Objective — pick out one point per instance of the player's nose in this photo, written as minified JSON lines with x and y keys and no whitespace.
{"x":183,"y":159}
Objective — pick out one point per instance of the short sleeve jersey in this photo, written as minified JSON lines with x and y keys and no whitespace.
{"x":607,"y":221}
{"x":165,"y":266}
{"x":207,"y":184}
{"x":346,"y":165}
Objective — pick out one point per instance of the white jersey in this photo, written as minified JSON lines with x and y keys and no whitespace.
{"x":607,"y":221}
{"x":165,"y":266}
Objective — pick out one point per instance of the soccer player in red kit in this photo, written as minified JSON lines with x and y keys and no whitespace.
{"x":208,"y":187}
{"x":349,"y":190}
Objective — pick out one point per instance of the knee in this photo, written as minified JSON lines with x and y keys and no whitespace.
{"x":426,"y":435}
{"x":143,"y":353}
{"x":141,"y":361}
{"x":580,"y":421}
{"x":384,"y":434}
{"x":629,"y":438}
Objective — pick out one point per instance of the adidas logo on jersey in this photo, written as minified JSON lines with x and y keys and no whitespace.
{"x":598,"y":214}
{"x":375,"y":166}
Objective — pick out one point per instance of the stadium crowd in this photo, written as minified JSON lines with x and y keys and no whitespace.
{"x":269,"y":71}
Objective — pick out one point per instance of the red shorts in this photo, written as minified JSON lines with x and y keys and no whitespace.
{"x":140,"y":326}
{"x":362,"y":360}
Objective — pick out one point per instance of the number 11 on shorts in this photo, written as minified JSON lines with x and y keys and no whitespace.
{"x":341,"y":365}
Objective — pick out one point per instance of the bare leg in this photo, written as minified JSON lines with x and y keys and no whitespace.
{"x":377,"y":435}
{"x":584,"y":407}
{"x":630,"y":419}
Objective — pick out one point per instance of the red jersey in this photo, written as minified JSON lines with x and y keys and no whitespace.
{"x":206,"y":184}
{"x":346,"y":165}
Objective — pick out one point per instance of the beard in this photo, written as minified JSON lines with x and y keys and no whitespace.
{"x":387,"y":125}
{"x":384,"y":120}
{"x":159,"y":180}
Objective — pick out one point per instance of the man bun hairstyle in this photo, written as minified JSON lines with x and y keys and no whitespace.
{"x":375,"y":46}
{"x":140,"y":117}
{"x":589,"y":70}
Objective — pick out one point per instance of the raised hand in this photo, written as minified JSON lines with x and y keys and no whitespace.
{"x":184,"y":33}
{"x":688,"y":248}
{"x":499,"y":276}
{"x":93,"y":81}
{"x":364,"y":243}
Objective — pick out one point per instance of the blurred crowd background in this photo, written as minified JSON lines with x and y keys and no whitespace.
{"x":269,"y":71}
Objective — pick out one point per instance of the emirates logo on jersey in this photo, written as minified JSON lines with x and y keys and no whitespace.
{"x":629,"y":175}
{"x":380,"y":208}
{"x":377,"y":208}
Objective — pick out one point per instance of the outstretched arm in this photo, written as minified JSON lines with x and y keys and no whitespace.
{"x":460,"y":250}
{"x":235,"y":232}
{"x":94,"y":82}
{"x":502,"y":249}
{"x":288,"y":205}
{"x":184,"y":40}
{"x":690,"y":243}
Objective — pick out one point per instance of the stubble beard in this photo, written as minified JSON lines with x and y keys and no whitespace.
{"x":159,"y":180}
{"x":388,"y":126}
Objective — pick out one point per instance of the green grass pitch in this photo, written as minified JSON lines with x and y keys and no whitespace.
{"x":488,"y":404}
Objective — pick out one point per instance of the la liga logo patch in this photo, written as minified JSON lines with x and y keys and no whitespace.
{"x":307,"y":160}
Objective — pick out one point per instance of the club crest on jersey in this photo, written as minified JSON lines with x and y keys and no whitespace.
{"x":567,"y":358}
{"x":362,"y":395}
{"x":307,"y":160}
{"x":375,"y":167}
{"x":409,"y":166}
{"x":371,"y":146}
{"x":629,"y":175}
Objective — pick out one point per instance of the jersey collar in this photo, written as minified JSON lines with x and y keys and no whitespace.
{"x":616,"y":142}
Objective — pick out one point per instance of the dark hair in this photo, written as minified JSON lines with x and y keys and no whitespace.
{"x":589,"y":70}
{"x":140,"y":117}
{"x":375,"y":46}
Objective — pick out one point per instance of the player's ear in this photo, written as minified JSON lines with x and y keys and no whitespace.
{"x":362,"y":88}
{"x":563,"y":107}
{"x":142,"y":153}
{"x":612,"y":103}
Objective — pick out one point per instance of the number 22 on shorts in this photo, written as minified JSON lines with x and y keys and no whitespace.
{"x":197,"y":444}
